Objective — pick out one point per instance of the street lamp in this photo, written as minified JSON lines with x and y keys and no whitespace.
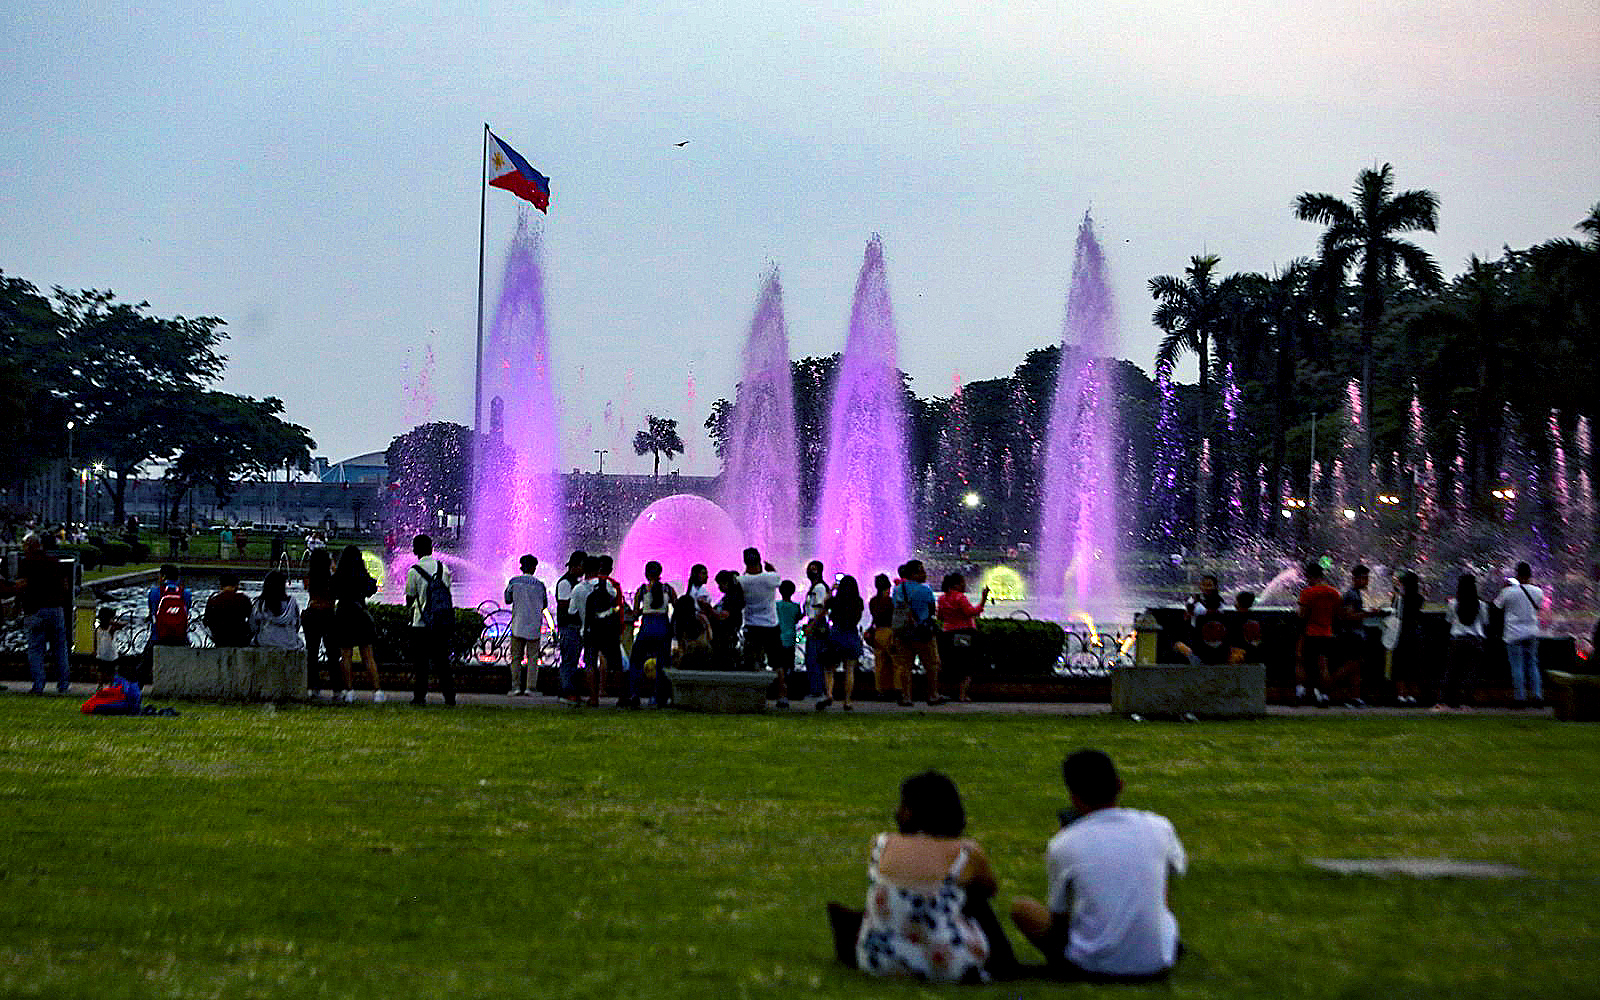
{"x":602,"y":453}
{"x":70,"y":425}
{"x":972,"y":500}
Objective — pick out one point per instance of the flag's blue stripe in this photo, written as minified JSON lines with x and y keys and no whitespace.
{"x":523,"y":165}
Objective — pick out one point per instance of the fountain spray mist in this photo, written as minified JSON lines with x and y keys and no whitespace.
{"x":1078,"y":528}
{"x":517,"y":500}
{"x":759,"y":488}
{"x":863,"y":515}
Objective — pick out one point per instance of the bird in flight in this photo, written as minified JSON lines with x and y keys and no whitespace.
{"x":682,"y":144}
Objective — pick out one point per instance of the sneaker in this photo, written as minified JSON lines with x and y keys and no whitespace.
{"x":1355,"y":703}
{"x":349,"y":697}
{"x":1299,"y":694}
{"x":378,"y":697}
{"x":822,"y":706}
{"x":1321,"y":699}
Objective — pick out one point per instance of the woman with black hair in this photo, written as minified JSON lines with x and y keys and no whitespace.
{"x":1468,"y":615}
{"x":928,"y":915}
{"x":691,"y":635}
{"x":352,"y":622}
{"x":841,"y":644}
{"x":1406,"y":667}
{"x":275,"y":617}
{"x":317,"y":620}
{"x":652,"y":606}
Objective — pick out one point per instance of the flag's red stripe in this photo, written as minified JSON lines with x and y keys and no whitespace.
{"x":523,"y":188}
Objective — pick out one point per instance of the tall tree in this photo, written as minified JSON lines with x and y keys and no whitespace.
{"x":1365,"y":236}
{"x":130,"y":379}
{"x":34,"y":365}
{"x":1282,"y":304}
{"x":660,"y":437}
{"x":223,"y":438}
{"x":1194,"y":312}
{"x":430,"y":470}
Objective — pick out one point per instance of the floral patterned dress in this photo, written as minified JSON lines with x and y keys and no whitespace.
{"x":911,"y":932}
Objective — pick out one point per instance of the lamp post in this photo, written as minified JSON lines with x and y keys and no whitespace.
{"x":70,"y":425}
{"x":602,"y":453}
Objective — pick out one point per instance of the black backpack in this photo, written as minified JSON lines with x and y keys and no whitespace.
{"x":437,"y":608}
{"x":601,"y":616}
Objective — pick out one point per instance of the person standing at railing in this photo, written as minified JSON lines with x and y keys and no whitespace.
{"x":652,"y":605}
{"x":527,"y":597}
{"x":958,"y":620}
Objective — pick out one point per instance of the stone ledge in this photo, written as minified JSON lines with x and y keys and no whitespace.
{"x":229,"y":673}
{"x":1225,"y":691}
{"x":720,"y":691}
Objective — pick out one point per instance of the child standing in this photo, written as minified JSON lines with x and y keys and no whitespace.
{"x":789,"y":612}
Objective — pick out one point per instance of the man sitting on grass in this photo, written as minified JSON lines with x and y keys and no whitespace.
{"x":1107,"y":917}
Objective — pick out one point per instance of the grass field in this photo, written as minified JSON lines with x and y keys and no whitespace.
{"x":489,"y":852}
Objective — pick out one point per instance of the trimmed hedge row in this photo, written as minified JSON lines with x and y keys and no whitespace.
{"x":1022,"y":647}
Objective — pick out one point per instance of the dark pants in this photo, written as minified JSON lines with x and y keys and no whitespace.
{"x":609,"y":646}
{"x":430,"y":650}
{"x":651,"y":647}
{"x":1460,"y":669}
{"x":320,"y":648}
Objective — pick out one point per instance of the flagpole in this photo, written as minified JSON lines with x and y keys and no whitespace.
{"x":477,"y":370}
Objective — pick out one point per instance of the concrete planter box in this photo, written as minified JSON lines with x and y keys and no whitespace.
{"x":720,"y":691}
{"x":230,"y":673}
{"x":1228,"y":691}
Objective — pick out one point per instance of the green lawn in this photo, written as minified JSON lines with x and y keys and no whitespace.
{"x":484,"y":852}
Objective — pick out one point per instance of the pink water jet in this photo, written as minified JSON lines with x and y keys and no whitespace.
{"x":1078,"y":527}
{"x":759,"y":487}
{"x":518,"y":504}
{"x":863,"y":513}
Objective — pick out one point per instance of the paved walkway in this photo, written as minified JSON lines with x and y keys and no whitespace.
{"x":81,"y":691}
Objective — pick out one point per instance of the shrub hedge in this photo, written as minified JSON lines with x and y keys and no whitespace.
{"x":392,"y":622}
{"x":1020,"y":647}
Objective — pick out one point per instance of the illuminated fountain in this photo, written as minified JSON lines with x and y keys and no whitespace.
{"x":679,"y":531}
{"x":517,"y":503}
{"x":759,"y":488}
{"x":1078,"y":528}
{"x":863,"y":517}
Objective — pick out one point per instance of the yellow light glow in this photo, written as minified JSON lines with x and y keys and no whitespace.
{"x":1004,"y":583}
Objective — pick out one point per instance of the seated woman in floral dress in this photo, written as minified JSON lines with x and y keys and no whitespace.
{"x":928,"y":915}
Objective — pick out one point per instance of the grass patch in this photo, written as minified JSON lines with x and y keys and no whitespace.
{"x":382,"y":852}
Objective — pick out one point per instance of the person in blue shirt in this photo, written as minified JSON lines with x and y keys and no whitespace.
{"x":915,"y":602}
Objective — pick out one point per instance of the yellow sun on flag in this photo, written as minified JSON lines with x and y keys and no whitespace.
{"x":499,"y":161}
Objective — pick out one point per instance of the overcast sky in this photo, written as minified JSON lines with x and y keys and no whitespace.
{"x":310,"y":172}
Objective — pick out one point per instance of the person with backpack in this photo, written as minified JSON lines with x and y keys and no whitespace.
{"x":1521,"y":601}
{"x":602,"y":633}
{"x":169,"y":603}
{"x":433,"y":620}
{"x":915,"y":626}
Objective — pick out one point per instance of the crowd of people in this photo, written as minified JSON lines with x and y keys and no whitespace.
{"x":1344,"y":646}
{"x":751,"y":621}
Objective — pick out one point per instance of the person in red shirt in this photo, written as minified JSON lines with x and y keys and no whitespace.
{"x":1319,"y":606}
{"x":958,"y":622}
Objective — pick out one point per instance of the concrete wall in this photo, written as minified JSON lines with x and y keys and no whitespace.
{"x":240,"y":673}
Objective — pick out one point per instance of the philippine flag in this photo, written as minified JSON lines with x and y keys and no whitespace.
{"x":508,"y":170}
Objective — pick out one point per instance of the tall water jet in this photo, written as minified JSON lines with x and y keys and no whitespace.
{"x":518,"y":504}
{"x":1078,"y":527}
{"x":759,"y":488}
{"x":863,"y":513}
{"x":1168,"y":460}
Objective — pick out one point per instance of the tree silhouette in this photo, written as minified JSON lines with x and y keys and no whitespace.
{"x":659,"y":438}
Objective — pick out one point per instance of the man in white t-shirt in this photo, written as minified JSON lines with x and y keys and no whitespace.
{"x":1107,"y":915}
{"x":527,"y":596}
{"x":1521,"y":601}
{"x":762,"y":637}
{"x":430,"y":640}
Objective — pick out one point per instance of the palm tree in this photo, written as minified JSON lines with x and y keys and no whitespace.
{"x":1282,"y":304}
{"x":1364,"y":237}
{"x":659,"y":438}
{"x":1195,"y":312}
